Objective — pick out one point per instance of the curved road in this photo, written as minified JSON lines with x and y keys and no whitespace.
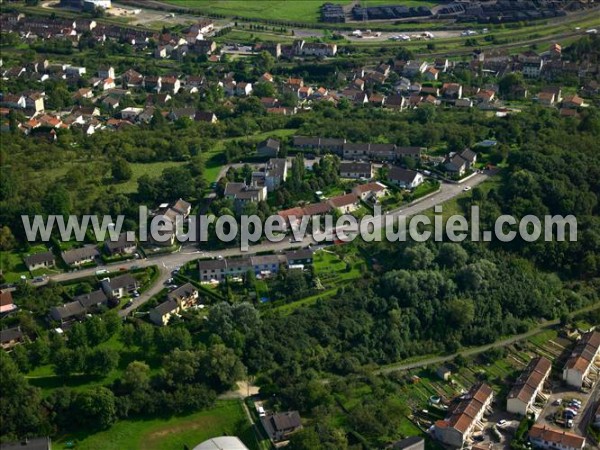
{"x":189,"y":252}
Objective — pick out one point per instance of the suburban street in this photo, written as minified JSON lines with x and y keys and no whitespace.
{"x":189,"y":252}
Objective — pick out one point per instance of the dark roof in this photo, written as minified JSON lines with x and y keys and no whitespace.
{"x":42,"y":443}
{"x":400,"y":174}
{"x":354,"y":167}
{"x":266,"y":260}
{"x":212,"y":264}
{"x":122,"y":281}
{"x":67,"y":311}
{"x":468,"y":155}
{"x":38,"y":258}
{"x":281,"y":423}
{"x":166,"y":307}
{"x":303,"y":253}
{"x":269,"y":143}
{"x":78,"y":254}
{"x":91,"y":299}
{"x":11,"y":334}
{"x":276,"y":167}
{"x":119,"y":244}
{"x":184,"y":291}
{"x":408,"y":442}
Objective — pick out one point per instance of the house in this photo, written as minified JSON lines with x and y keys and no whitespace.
{"x":6,"y":302}
{"x":404,"y":178}
{"x":443,"y":373}
{"x":35,"y":102}
{"x":120,"y":285}
{"x":370,"y":192}
{"x":108,"y":83}
{"x":456,"y":164}
{"x":39,"y":261}
{"x":344,"y":204}
{"x":452,"y":91}
{"x":543,"y":436}
{"x":572,"y":102}
{"x":122,"y":245}
{"x":355,"y":150}
{"x":583,"y":361}
{"x":431,"y":74}
{"x":466,"y":418}
{"x":356,"y":170}
{"x":302,"y":48}
{"x":79,"y":256}
{"x":93,"y":300}
{"x":132,"y":79}
{"x":170,"y":85}
{"x":485,"y":96}
{"x":410,"y":443}
{"x":161,"y":314}
{"x":186,"y":295}
{"x":268,"y":148}
{"x":106,"y":72}
{"x":469,"y":156}
{"x":243,"y":89}
{"x":266,"y":265}
{"x":412,"y":68}
{"x":14,"y":101}
{"x":41,"y":443}
{"x":205,"y":116}
{"x":280,"y":426}
{"x":9,"y":338}
{"x":182,"y":208}
{"x":300,"y":257}
{"x":275,"y":173}
{"x":241,"y":194}
{"x":395,"y":101}
{"x":212,"y":269}
{"x":532,"y":66}
{"x":528,"y":388}
{"x":546,"y":98}
{"x":68,"y":312}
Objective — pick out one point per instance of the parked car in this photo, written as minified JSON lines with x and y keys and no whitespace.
{"x":136,"y":294}
{"x":557,"y":402}
{"x":501,"y":422}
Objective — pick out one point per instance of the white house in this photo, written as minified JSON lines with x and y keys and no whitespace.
{"x":404,"y":178}
{"x":583,"y":367}
{"x":456,"y":429}
{"x":542,"y":436}
{"x":528,"y":388}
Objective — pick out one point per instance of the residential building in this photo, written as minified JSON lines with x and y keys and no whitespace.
{"x":370,"y":192}
{"x":466,"y":418}
{"x":302,"y":48}
{"x":268,"y":148}
{"x":79,"y":307}
{"x":275,"y":173}
{"x":543,"y":436}
{"x":212,"y":269}
{"x":79,"y":256}
{"x":120,"y":285}
{"x":583,"y":366}
{"x":404,"y":178}
{"x":356,"y":170}
{"x":410,"y":443}
{"x":412,"y":68}
{"x":241,"y":194}
{"x":280,"y":426}
{"x":344,"y":204}
{"x":42,"y":260}
{"x":532,"y":66}
{"x":122,"y":245}
{"x":6,"y":302}
{"x":161,"y":314}
{"x":300,"y":257}
{"x":9,"y":338}
{"x":186,"y":295}
{"x":456,"y":164}
{"x":266,"y":265}
{"x":528,"y":388}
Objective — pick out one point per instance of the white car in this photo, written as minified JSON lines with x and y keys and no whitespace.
{"x":467,"y":188}
{"x":501,"y":422}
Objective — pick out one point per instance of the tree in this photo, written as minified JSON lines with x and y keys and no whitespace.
{"x":101,"y":361}
{"x":136,"y":376}
{"x":121,"y":171}
{"x":95,"y":408}
{"x":67,"y":362}
{"x":7,"y":239}
{"x":452,"y":256}
{"x":222,"y":367}
{"x":265,"y":61}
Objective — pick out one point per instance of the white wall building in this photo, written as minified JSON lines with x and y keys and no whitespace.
{"x":583,"y":367}
{"x":528,"y":387}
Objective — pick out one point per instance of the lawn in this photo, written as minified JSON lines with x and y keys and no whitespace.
{"x":139,"y":169}
{"x":225,"y":418}
{"x":289,"y":10}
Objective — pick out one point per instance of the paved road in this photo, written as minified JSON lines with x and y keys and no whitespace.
{"x":189,"y":252}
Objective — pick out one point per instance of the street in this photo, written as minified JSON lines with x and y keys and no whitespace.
{"x":189,"y":252}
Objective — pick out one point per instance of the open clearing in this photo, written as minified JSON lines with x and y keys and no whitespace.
{"x":226,"y":418}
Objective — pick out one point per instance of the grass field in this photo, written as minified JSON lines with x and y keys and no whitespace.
{"x":290,"y":10}
{"x":226,"y":418}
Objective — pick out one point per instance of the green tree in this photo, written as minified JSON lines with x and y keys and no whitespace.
{"x":121,"y":171}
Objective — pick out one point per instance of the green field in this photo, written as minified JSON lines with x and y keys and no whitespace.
{"x":289,"y":10}
{"x":226,"y":418}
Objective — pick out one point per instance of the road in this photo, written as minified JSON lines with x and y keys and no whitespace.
{"x":189,"y":252}
{"x":477,"y":350}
